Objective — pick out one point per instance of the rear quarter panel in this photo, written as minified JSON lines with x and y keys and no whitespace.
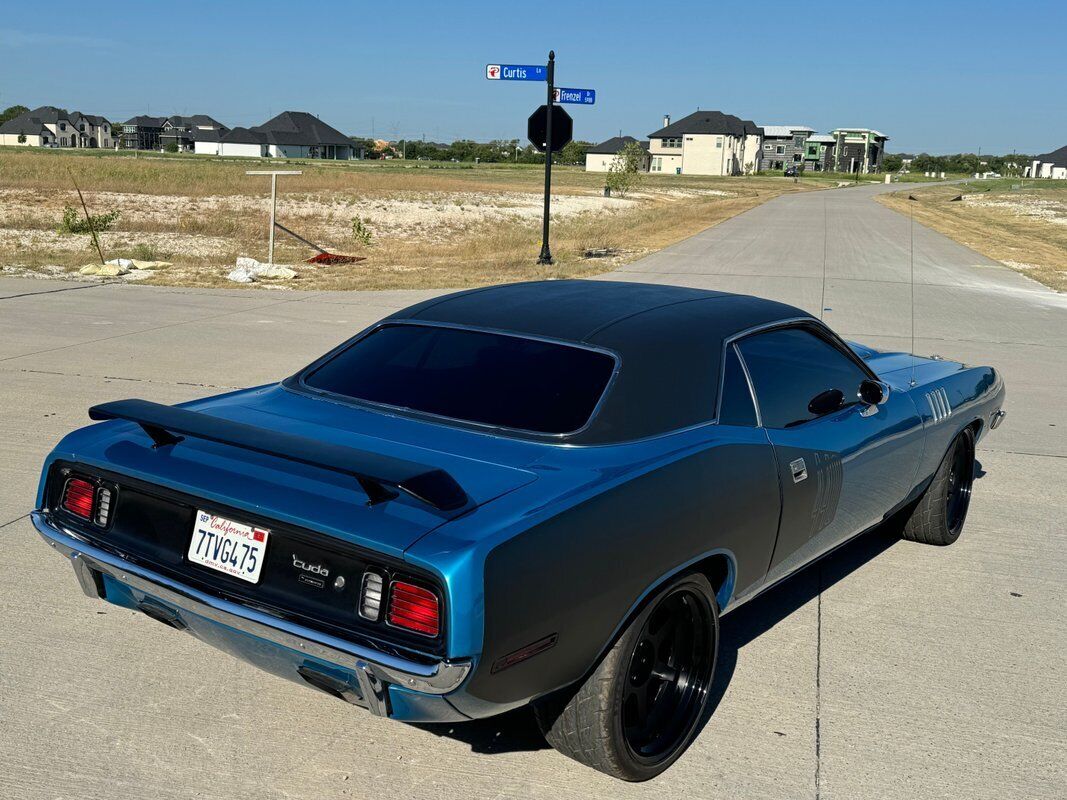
{"x":579,"y":565}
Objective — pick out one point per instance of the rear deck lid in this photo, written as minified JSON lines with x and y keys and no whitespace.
{"x":306,"y":494}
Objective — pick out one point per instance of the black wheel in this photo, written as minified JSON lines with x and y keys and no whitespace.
{"x":939,"y":516}
{"x":642,"y":706}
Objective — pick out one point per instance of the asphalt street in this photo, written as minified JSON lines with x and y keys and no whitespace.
{"x":890,"y":670}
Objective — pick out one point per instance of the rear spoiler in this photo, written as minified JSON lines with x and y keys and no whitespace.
{"x":382,"y":477}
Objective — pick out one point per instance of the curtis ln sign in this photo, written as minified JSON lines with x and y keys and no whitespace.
{"x":516,"y":72}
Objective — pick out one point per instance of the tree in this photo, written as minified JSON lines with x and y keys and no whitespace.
{"x":625,"y":169}
{"x":11,"y":112}
{"x":574,"y":152}
{"x":892,"y":162}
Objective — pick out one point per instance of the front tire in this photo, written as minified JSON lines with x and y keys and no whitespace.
{"x":642,"y":706}
{"x":939,"y":516}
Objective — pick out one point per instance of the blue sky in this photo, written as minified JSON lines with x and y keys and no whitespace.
{"x":934,"y":76}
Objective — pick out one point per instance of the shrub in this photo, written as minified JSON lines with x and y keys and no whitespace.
{"x":623,"y":174}
{"x":73,"y":222}
{"x":360,"y":232}
{"x":145,"y":252}
{"x":172,"y":147}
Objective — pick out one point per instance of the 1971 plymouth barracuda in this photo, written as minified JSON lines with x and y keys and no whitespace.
{"x":540,"y":493}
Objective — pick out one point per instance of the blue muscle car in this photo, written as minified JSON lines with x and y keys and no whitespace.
{"x":540,"y":493}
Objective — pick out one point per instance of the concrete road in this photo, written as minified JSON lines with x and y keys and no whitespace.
{"x":891,"y":670}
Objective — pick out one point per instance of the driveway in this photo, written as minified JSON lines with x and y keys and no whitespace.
{"x":890,"y":670}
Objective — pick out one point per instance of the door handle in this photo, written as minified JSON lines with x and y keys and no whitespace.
{"x":799,"y":470}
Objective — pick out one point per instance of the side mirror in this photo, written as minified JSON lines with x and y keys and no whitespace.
{"x":873,"y":393}
{"x":826,"y":402}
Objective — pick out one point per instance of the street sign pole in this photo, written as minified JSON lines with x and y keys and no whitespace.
{"x":546,"y":253}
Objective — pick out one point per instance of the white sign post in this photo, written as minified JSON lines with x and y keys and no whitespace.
{"x":273,"y":200}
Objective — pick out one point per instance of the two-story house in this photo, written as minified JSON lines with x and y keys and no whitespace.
{"x":49,"y":126}
{"x":858,"y":150}
{"x":705,"y":143}
{"x":142,"y":133}
{"x":184,"y":132}
{"x":784,"y":146}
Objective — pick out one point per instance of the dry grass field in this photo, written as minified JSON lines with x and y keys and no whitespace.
{"x":431,"y":225}
{"x":1021,"y":223}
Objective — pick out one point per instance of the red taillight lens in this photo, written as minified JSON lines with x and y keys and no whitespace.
{"x":78,"y":498}
{"x":414,"y":608}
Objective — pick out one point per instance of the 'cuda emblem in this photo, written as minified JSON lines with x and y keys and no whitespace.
{"x":317,"y":569}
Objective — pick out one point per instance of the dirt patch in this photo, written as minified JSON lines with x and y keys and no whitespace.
{"x":428,"y":228}
{"x":1023,"y":225}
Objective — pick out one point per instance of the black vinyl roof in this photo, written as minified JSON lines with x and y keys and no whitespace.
{"x":669,"y":341}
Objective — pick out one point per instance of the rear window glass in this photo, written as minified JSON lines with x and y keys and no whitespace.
{"x":473,"y":376}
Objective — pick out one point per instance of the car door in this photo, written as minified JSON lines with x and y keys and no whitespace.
{"x":842,"y":466}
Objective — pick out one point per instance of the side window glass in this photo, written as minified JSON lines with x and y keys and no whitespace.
{"x":735,"y":406}
{"x":791,"y":368}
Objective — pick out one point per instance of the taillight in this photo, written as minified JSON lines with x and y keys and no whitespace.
{"x":78,"y":498}
{"x":88,"y":500}
{"x":414,"y":608}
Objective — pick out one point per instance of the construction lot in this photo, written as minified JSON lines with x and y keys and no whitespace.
{"x":890,"y":670}
{"x":413,"y":224}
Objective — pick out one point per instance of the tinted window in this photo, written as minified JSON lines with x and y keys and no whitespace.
{"x":473,"y":376}
{"x":791,"y":366}
{"x":736,"y":408}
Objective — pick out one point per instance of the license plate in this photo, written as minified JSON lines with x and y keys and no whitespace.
{"x":227,"y":546}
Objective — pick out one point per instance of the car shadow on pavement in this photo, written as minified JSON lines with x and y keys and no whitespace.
{"x":762,"y":613}
{"x":511,"y":732}
{"x":517,"y":731}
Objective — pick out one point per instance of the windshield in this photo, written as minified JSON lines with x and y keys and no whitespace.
{"x":471,"y":376}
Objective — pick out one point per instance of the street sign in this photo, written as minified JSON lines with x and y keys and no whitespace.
{"x":516,"y":72}
{"x":585,"y":97}
{"x":562,"y":128}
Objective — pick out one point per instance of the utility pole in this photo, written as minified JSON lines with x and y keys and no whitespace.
{"x":546,"y":253}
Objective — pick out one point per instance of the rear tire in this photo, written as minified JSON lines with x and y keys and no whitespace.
{"x":939,"y":516}
{"x":642,"y":706}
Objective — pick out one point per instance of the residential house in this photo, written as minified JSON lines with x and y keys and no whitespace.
{"x":858,"y":150}
{"x":49,"y":126}
{"x":184,"y":131}
{"x":142,"y":133}
{"x":1050,"y":165}
{"x":819,"y":153}
{"x":207,"y":141}
{"x":243,"y":142}
{"x":784,"y":146}
{"x":291,"y":134}
{"x":705,"y":143}
{"x":600,"y":157}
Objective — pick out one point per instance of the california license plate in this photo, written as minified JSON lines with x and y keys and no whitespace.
{"x":227,"y":546}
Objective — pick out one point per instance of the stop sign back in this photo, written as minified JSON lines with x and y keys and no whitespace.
{"x":562,"y":128}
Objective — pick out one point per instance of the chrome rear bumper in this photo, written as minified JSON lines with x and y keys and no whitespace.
{"x":374,"y":669}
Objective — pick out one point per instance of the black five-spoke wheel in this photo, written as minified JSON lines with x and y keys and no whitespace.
{"x":668,"y":674}
{"x":938,"y":516}
{"x":643,"y":705}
